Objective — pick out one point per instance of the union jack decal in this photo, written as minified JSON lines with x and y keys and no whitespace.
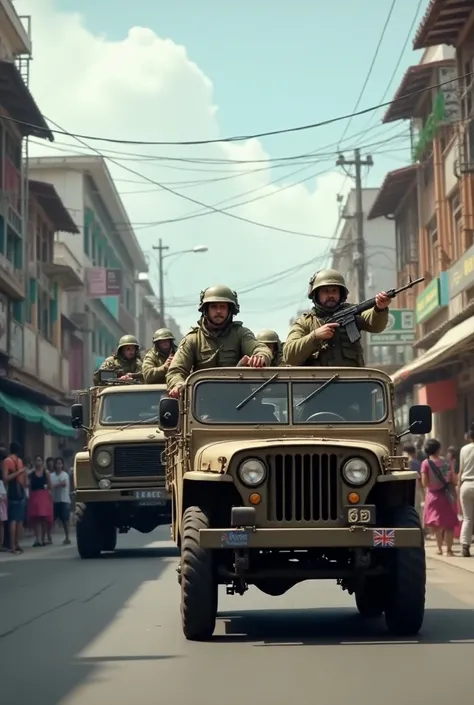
{"x":384,"y":538}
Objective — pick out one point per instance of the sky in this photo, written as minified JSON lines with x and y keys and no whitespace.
{"x":178,"y":72}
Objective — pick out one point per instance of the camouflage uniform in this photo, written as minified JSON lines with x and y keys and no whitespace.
{"x":119,"y":363}
{"x":302,"y":349}
{"x":203,"y":348}
{"x":154,"y":366}
{"x":271,"y":337}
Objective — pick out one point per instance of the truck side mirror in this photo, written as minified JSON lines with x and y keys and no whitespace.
{"x":420,"y":419}
{"x":168,"y":414}
{"x":77,"y":416}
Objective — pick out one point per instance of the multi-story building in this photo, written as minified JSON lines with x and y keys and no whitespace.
{"x":393,"y":348}
{"x":106,"y":255}
{"x":148,"y":312}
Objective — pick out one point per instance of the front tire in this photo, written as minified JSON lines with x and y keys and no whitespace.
{"x":406,"y":584}
{"x":369,"y":598}
{"x":198,"y":580}
{"x":110,"y":538}
{"x":89,"y":537}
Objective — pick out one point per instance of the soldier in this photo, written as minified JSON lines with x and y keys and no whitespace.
{"x":126,"y":360}
{"x":272,"y":340}
{"x":157,"y":360}
{"x":314,"y":343}
{"x":216,"y":341}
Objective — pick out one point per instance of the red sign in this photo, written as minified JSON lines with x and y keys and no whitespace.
{"x":104,"y":282}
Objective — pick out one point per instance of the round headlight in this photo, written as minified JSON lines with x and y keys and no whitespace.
{"x":252,"y":472}
{"x":103,"y":459}
{"x":356,"y":471}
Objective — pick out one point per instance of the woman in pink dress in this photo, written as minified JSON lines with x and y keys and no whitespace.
{"x":40,"y":503}
{"x":439,"y":481}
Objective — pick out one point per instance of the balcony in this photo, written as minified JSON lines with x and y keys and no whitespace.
{"x":44,"y":362}
{"x":65,"y":269}
{"x":12,"y":281}
{"x":13,"y":30}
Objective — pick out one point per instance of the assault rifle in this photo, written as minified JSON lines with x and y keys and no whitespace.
{"x":347,"y":317}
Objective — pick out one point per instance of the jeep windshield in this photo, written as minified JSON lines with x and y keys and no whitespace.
{"x":215,"y":402}
{"x":130,"y":407}
{"x":342,"y":401}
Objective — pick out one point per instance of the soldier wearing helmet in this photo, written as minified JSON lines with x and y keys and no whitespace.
{"x":126,"y":360}
{"x":272,"y":340}
{"x":315,"y":343}
{"x":158,"y":359}
{"x":216,"y":341}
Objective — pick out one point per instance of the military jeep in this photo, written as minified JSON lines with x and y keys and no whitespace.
{"x":120,"y":475}
{"x":280,"y":475}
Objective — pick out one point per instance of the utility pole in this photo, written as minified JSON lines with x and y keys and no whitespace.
{"x":161,"y":249}
{"x":360,"y":260}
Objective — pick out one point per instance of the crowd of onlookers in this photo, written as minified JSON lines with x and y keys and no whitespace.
{"x":33,"y":496}
{"x":445,"y":491}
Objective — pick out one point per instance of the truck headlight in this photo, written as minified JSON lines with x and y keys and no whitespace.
{"x":356,"y":472}
{"x":252,"y":472}
{"x":103,"y":459}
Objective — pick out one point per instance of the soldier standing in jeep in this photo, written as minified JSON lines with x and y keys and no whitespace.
{"x":157,"y":360}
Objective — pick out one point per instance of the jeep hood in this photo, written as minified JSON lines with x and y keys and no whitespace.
{"x":208,"y":455}
{"x":134,"y":434}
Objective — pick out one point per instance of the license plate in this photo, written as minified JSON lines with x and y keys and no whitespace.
{"x":365,"y":515}
{"x":147,"y":495}
{"x":237,"y":538}
{"x":151,"y":503}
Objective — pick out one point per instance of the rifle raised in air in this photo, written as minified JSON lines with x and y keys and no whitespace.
{"x":347,"y":317}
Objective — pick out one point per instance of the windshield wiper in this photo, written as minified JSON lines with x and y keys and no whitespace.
{"x":316,"y":391}
{"x":154,"y":419}
{"x":245,"y":401}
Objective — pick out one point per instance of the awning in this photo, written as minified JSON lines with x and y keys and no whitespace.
{"x":50,"y":201}
{"x":447,"y":346}
{"x":394,"y":188}
{"x":34,"y":414}
{"x":20,"y":104}
{"x":416,"y":78}
{"x":442,"y":23}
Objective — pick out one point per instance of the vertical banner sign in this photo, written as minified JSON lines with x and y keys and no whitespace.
{"x":104,"y":282}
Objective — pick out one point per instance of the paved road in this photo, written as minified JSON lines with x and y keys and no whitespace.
{"x":108,"y":631}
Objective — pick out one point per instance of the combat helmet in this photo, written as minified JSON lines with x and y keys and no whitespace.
{"x":219,"y":294}
{"x":127,"y":340}
{"x":327,"y":277}
{"x":162,"y":334}
{"x":270,"y":337}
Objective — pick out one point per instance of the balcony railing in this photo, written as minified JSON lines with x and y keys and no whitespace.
{"x":12,"y":280}
{"x":44,"y":361}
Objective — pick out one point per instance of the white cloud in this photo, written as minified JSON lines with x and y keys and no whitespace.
{"x":146,"y":88}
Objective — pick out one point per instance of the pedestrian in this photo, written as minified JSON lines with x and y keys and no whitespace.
{"x":439,"y":481}
{"x":3,"y":513}
{"x":40,"y":507}
{"x":466,"y":492}
{"x":61,"y":497}
{"x":15,"y":481}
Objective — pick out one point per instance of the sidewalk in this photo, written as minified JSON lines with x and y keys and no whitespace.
{"x":57,"y":547}
{"x":456,"y":560}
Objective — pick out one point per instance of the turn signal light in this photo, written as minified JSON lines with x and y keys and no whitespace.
{"x":255,"y":498}
{"x":353,"y":498}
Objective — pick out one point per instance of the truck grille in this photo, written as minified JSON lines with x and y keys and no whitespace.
{"x":303,"y":487}
{"x":139,"y":461}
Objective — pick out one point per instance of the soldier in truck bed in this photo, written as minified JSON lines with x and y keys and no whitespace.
{"x":126,"y":360}
{"x":314,"y":343}
{"x":158,"y":359}
{"x":216,"y":341}
{"x":272,"y":339}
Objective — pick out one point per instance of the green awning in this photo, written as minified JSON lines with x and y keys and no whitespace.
{"x":34,"y":414}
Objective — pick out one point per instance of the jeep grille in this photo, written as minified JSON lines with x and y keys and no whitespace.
{"x":303,"y":487}
{"x":139,"y":460}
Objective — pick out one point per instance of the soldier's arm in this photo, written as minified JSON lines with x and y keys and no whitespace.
{"x":374,"y":320}
{"x":138,"y":374}
{"x":153,"y":374}
{"x":278,"y":358}
{"x":249,"y":345}
{"x":300,"y":344}
{"x":182,"y":363}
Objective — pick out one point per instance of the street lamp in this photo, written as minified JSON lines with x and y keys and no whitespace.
{"x":161,"y":257}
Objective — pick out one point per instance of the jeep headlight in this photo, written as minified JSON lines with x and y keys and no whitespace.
{"x":103,"y":459}
{"x":356,"y":471}
{"x":252,"y":472}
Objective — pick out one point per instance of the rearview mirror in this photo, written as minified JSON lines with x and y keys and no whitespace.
{"x":77,"y":416}
{"x":169,"y":413}
{"x":420,"y":419}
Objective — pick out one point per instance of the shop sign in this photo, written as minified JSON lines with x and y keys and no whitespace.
{"x":400,"y":328}
{"x":432,"y":298}
{"x":461,"y":274}
{"x":429,"y":129}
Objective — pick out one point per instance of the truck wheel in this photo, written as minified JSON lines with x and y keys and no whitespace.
{"x":110,"y":538}
{"x":198,"y":579}
{"x":89,"y":535}
{"x":370,"y":598}
{"x":406,"y":583}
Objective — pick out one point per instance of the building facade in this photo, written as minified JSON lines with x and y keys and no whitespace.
{"x":106,"y":256}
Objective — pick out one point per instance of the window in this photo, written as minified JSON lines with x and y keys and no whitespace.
{"x":130,"y":407}
{"x":339,"y":402}
{"x":44,"y":315}
{"x":217,"y":402}
{"x":432,"y":230}
{"x":455,"y":206}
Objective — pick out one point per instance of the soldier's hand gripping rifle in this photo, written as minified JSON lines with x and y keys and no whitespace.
{"x":347,"y":317}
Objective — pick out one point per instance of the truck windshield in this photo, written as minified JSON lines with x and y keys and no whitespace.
{"x":130,"y":407}
{"x":216,"y":402}
{"x":343,"y":401}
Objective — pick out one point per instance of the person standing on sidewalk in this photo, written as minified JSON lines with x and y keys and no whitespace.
{"x":15,"y":481}
{"x":61,"y":497}
{"x":466,"y":492}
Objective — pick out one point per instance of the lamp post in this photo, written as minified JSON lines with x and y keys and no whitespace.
{"x":161,"y":249}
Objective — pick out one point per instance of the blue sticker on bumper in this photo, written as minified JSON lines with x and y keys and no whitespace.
{"x":238,"y":538}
